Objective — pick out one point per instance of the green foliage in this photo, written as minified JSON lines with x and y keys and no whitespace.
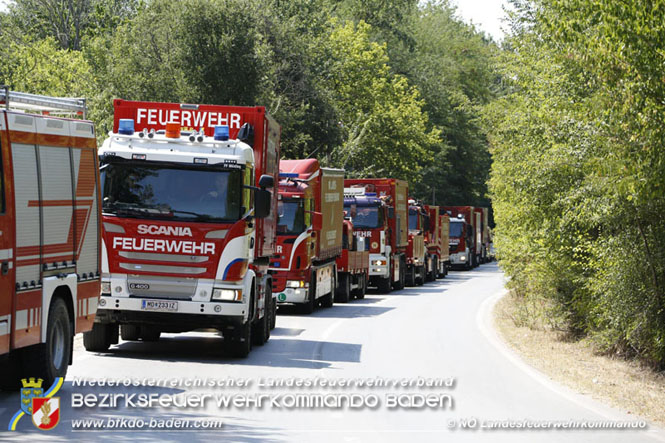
{"x":578,"y":172}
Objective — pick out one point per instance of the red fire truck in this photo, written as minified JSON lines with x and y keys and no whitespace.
{"x":353,"y":264}
{"x":465,"y":235}
{"x":49,"y":234}
{"x":384,"y":222}
{"x":309,"y":233}
{"x":415,"y":251}
{"x":189,"y":223}
{"x":436,"y":242}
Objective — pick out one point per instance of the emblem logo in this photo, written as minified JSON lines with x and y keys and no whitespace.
{"x":47,"y":412}
{"x":42,"y":406}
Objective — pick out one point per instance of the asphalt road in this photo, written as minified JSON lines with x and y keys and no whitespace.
{"x":438,"y":334}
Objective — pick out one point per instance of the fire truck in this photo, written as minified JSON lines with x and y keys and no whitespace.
{"x":415,"y":251}
{"x":353,"y":264}
{"x":49,"y":234}
{"x":436,"y":242}
{"x":309,"y":234}
{"x":189,"y":223}
{"x":465,"y":236}
{"x":383,"y":220}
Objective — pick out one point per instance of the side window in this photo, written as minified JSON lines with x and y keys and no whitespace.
{"x":308,"y":208}
{"x":248,"y":195}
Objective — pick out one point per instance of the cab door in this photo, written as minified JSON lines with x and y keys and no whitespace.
{"x":7,"y":256}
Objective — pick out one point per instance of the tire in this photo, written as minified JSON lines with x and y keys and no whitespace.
{"x":130,"y":332}
{"x":150,"y":333}
{"x":383,"y":284}
{"x":420,"y":280}
{"x":273,"y":316}
{"x":359,"y":292}
{"x":401,"y":282}
{"x":99,"y":338}
{"x":343,"y":291}
{"x":51,"y":359}
{"x":308,"y":306}
{"x":261,"y":330}
{"x":411,"y":276}
{"x":240,"y":344}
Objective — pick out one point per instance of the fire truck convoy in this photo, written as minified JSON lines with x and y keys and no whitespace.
{"x":189,"y":223}
{"x":49,"y":234}
{"x":383,"y":221}
{"x":309,"y":234}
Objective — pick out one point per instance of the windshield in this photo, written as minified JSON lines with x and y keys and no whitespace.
{"x":166,"y":192}
{"x":456,"y":229}
{"x":291,"y":217}
{"x":368,"y":217}
{"x":413,"y":219}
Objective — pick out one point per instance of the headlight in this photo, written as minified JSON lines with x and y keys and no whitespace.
{"x":463,"y":257}
{"x":295,"y":284}
{"x":106,"y":287}
{"x":227,"y":294}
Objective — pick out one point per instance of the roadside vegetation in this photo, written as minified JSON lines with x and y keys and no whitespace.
{"x":380,"y":88}
{"x":578,"y":174}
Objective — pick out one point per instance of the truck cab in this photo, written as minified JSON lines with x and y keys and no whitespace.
{"x":188,"y":224}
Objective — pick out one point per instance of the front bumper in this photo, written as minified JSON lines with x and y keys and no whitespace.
{"x":378,"y":270}
{"x":114,"y":306}
{"x":291,"y":295}
{"x":459,"y":258}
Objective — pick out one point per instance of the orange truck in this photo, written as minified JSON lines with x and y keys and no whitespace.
{"x":50,"y":231}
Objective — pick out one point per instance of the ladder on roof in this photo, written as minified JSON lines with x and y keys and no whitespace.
{"x":42,"y":103}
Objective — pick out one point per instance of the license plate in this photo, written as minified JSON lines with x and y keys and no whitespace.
{"x":159,"y":305}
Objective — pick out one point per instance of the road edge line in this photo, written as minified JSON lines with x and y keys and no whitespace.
{"x":486,"y":325}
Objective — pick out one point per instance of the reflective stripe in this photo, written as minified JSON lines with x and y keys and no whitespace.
{"x":6,"y":254}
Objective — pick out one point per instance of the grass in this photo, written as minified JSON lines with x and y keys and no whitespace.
{"x":624,"y":384}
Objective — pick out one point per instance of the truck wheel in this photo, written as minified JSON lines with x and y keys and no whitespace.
{"x":130,"y":332}
{"x":50,"y":360}
{"x":411,"y":276}
{"x":343,"y":292}
{"x":420,"y":279}
{"x":98,"y":339}
{"x":240,"y":344}
{"x":308,"y":306}
{"x":261,"y":330}
{"x":401,"y":282}
{"x":273,"y":316}
{"x":359,"y":292}
{"x":467,"y":265}
{"x":383,"y":284}
{"x":150,"y":333}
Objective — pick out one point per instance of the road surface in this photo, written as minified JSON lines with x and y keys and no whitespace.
{"x":439,"y":334}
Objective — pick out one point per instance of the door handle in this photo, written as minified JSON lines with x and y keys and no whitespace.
{"x":5,"y":267}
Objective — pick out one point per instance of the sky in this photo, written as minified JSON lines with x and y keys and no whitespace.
{"x":485,"y":14}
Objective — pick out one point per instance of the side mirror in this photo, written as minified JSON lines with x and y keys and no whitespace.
{"x":317,"y":221}
{"x":391,"y":212}
{"x":266,"y":181}
{"x":262,"y":203}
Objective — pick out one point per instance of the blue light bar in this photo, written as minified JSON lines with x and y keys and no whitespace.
{"x":221,"y":133}
{"x":288,"y":175}
{"x":126,"y":126}
{"x":370,"y":194}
